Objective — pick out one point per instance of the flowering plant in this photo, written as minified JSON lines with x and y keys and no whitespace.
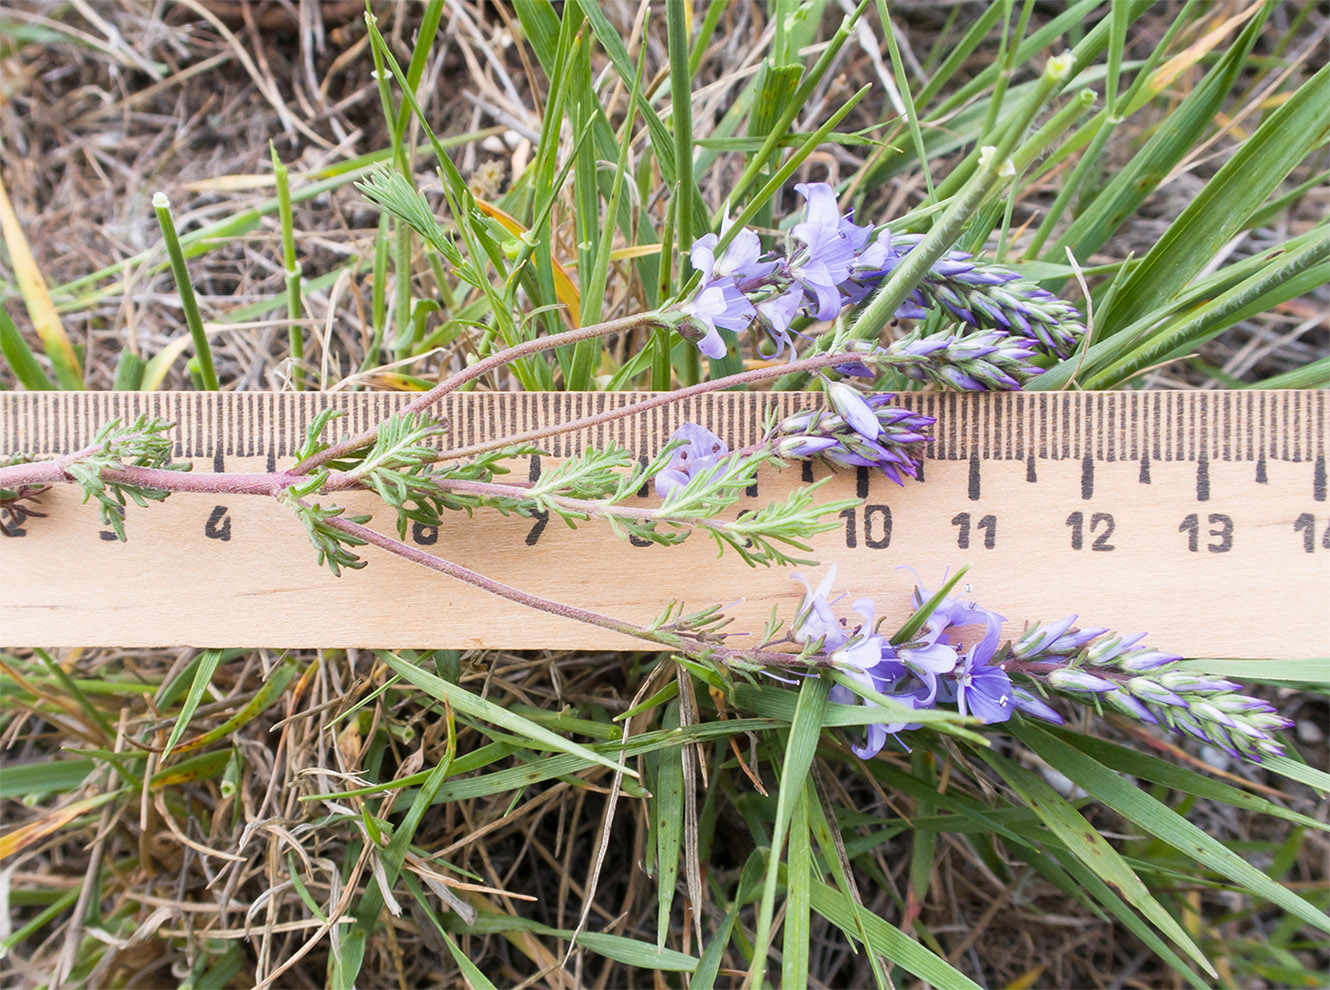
{"x":637,"y":207}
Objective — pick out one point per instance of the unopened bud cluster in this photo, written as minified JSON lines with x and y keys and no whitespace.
{"x":1146,"y":684}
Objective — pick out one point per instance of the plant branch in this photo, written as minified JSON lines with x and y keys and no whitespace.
{"x":687,"y":643}
{"x":664,"y":398}
{"x":456,"y":381}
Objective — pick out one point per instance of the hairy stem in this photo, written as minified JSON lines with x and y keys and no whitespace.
{"x":664,"y":398}
{"x":684,"y":643}
{"x":456,"y":381}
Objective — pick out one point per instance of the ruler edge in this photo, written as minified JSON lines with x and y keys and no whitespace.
{"x":1188,"y":425}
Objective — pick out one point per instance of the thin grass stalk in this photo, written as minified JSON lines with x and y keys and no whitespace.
{"x":294,"y":303}
{"x":207,"y":374}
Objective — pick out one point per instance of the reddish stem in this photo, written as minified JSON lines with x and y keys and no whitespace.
{"x":456,"y":381}
{"x":664,"y":398}
{"x":478,"y":580}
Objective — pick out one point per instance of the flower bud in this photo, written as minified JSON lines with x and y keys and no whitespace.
{"x":1074,"y":679}
{"x":1185,"y":680}
{"x":1150,"y":690}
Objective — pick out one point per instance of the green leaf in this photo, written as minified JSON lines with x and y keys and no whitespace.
{"x":888,"y":940}
{"x":1282,"y":141}
{"x":799,"y":875}
{"x":629,"y":951}
{"x":20,"y":357}
{"x":667,"y":809}
{"x":1085,"y":842}
{"x":1172,"y":140}
{"x":202,"y":678}
{"x":1162,"y":821}
{"x":1147,"y":767}
{"x":1301,"y":772}
{"x":805,"y":733}
{"x":477,"y":707}
{"x":1313,"y":670}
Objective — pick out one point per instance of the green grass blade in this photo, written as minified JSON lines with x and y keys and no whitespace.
{"x":207,"y":665}
{"x":805,"y":733}
{"x":1151,"y":768}
{"x":1161,"y":821}
{"x":1283,"y":140}
{"x":888,"y":940}
{"x":681,"y":119}
{"x":1301,"y":772}
{"x":477,"y":707}
{"x":202,"y":349}
{"x":799,"y":878}
{"x":667,"y":809}
{"x":20,"y":358}
{"x":1085,"y":842}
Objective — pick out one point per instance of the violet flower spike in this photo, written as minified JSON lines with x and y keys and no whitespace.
{"x":886,"y":438}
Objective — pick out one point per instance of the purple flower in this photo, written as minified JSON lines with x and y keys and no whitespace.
{"x":983,"y":690}
{"x":888,"y":677}
{"x":1108,"y":650}
{"x":867,"y":432}
{"x":739,"y":262}
{"x":980,"y":362}
{"x":1027,"y":704}
{"x":1075,"y":679}
{"x":847,"y":401}
{"x":777,"y":312}
{"x":814,"y":620}
{"x":700,"y":450}
{"x":863,"y":650}
{"x":1056,"y":639}
{"x":825,"y":261}
{"x":1147,"y":659}
{"x":718,"y":304}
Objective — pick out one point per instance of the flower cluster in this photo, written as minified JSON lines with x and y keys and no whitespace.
{"x":949,"y":660}
{"x":1146,"y":684}
{"x":859,"y":431}
{"x":831,"y":262}
{"x":957,"y":658}
{"x":990,"y":297}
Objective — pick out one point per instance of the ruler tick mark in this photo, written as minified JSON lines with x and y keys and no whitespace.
{"x":1203,"y":478}
{"x":642,"y":492}
{"x":272,"y":460}
{"x":807,"y":472}
{"x":1318,"y":479}
{"x":974,"y":477}
{"x":860,"y":482}
{"x":1144,"y":477}
{"x":1030,"y":474}
{"x":1087,"y":477}
{"x":218,"y":462}
{"x":1261,"y":476}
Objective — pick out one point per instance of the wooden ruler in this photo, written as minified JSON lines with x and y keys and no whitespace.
{"x":1200,"y":517}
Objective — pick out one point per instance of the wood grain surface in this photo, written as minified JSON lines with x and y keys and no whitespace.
{"x":1200,"y":517}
